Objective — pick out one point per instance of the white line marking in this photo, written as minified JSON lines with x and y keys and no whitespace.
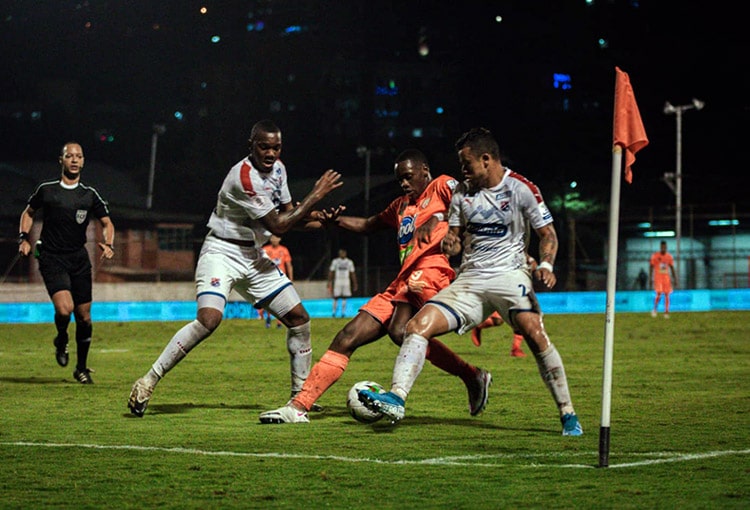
{"x":463,"y":460}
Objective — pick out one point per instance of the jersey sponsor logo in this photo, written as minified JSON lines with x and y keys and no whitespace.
{"x":81,"y":216}
{"x":404,"y":252}
{"x":406,"y":230}
{"x":487,"y":229}
{"x":503,"y":195}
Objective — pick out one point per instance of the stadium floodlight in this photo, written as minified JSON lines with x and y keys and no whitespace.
{"x":677,"y":111}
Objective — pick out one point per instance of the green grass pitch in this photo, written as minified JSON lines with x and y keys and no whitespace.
{"x":680,"y":423}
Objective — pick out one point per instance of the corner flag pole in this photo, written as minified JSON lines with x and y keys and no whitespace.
{"x":609,"y":329}
{"x":630,"y":136}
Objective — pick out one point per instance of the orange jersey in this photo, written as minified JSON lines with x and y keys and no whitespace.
{"x":280,"y":255}
{"x":661,"y":263}
{"x":406,"y":217}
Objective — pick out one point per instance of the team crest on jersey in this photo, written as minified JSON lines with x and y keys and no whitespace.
{"x":215,"y":282}
{"x":81,"y":216}
{"x":425,"y":203}
{"x":505,"y":206}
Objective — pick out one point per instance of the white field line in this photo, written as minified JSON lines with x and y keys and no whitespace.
{"x":463,"y":460}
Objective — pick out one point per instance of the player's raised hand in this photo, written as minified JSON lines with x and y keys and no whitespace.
{"x":328,"y":182}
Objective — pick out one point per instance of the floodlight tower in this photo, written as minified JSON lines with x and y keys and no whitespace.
{"x":674,"y":180}
{"x":159,"y":129}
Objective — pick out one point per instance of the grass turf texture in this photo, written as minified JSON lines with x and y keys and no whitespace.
{"x":680,"y":428}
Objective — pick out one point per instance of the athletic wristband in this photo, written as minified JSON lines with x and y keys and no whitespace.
{"x":23,"y":236}
{"x":546,"y":265}
{"x":440,"y":216}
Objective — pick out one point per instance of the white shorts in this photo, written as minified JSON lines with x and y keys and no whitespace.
{"x":342,"y":290}
{"x":223,"y":267}
{"x":473,"y":296}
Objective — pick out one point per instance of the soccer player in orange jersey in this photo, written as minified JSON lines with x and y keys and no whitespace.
{"x":662,"y":264}
{"x":418,"y":216}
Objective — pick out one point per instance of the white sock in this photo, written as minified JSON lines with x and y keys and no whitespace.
{"x":408,"y":364}
{"x":553,"y":374}
{"x":299,"y":345}
{"x":182,"y":342}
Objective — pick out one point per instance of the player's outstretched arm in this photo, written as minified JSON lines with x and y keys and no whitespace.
{"x":280,"y":223}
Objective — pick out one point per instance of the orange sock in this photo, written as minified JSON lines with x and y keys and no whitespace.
{"x":516,"y":350}
{"x":445,"y":359}
{"x":322,"y":376}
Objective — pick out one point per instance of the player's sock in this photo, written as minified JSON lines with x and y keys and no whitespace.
{"x":323,"y":375}
{"x":516,"y":349}
{"x":83,"y":343}
{"x":299,"y":345}
{"x":446,"y":360}
{"x":409,"y":364}
{"x":553,"y":374}
{"x":190,"y":335}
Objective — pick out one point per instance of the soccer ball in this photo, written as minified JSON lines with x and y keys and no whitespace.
{"x":356,"y":408}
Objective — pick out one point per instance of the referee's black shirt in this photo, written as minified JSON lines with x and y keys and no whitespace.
{"x":67,"y":211}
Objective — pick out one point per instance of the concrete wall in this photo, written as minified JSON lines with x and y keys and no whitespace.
{"x":144,"y":291}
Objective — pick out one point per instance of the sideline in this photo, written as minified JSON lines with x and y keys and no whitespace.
{"x":464,"y":460}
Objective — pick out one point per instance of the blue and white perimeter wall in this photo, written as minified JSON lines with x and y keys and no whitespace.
{"x":551,"y":302}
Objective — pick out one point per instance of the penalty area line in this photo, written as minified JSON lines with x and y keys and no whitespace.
{"x":463,"y":460}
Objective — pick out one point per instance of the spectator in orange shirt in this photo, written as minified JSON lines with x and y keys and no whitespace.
{"x":283,"y":260}
{"x":662,"y":264}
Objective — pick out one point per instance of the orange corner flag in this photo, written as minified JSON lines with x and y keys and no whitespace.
{"x":629,"y":132}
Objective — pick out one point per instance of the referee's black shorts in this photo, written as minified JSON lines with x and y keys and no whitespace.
{"x":67,"y":271}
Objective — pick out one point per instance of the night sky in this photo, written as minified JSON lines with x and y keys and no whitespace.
{"x":100,"y":68}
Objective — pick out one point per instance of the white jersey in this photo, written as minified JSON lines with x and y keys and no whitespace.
{"x":341,"y":269}
{"x":495,"y":222}
{"x":245,"y":196}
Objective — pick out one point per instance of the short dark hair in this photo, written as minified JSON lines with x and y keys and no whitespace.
{"x":415,"y":155}
{"x":263,"y":126}
{"x":71,"y":142}
{"x":480,"y":140}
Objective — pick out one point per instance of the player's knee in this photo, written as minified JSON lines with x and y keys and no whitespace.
{"x":210,"y":318}
{"x":297,"y":316}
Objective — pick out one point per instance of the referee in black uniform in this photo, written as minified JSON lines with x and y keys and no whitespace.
{"x":68,"y":205}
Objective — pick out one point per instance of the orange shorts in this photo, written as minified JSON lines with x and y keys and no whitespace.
{"x":420,"y":286}
{"x":663,"y":285}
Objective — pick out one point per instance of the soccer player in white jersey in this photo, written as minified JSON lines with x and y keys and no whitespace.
{"x":488,"y":219}
{"x":253,"y":203}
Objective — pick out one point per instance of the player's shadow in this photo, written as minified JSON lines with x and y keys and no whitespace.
{"x":186,"y":407}
{"x":35,"y":380}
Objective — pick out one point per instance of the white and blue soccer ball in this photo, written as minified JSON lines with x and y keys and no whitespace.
{"x":357,"y":409}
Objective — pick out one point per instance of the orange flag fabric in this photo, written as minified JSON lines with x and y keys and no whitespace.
{"x":629,"y":132}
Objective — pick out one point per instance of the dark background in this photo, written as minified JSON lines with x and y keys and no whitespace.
{"x":104,"y":72}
